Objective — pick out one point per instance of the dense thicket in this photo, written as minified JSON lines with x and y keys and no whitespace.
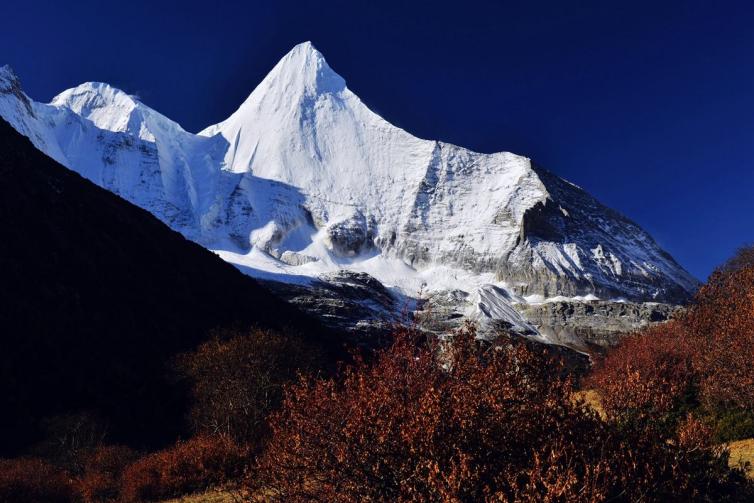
{"x":701,"y":362}
{"x":185,"y":468}
{"x":32,"y":480}
{"x":117,"y":474}
{"x":465,"y":421}
{"x":424,"y":420}
{"x":96,"y":296}
{"x":234,"y":380}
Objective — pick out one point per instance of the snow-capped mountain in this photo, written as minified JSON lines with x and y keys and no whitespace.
{"x":304,"y":179}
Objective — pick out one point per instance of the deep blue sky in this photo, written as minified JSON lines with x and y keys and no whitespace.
{"x":647,"y":105}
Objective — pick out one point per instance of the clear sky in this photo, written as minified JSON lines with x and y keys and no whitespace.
{"x":649,"y":105}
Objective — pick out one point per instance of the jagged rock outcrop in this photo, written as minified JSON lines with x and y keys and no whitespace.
{"x":354,"y":303}
{"x":571,"y":244}
{"x":595,"y":325}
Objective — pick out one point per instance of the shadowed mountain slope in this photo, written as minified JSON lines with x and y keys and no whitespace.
{"x":96,"y":296}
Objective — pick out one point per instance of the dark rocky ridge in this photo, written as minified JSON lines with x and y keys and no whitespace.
{"x":349,"y":302}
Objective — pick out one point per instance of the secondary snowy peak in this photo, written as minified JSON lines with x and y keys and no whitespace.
{"x":304,"y":179}
{"x":100,"y":103}
{"x":122,"y":145}
{"x":113,"y":110}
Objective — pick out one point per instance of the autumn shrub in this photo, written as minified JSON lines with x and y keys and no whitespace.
{"x":191,"y":466}
{"x":701,"y":361}
{"x":468,"y":421}
{"x":236,"y":379}
{"x":720,"y":329}
{"x":102,"y":468}
{"x":657,"y":384}
{"x":32,"y":480}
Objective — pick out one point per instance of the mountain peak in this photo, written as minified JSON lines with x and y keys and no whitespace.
{"x":112,"y":109}
{"x":306,"y":47}
{"x":92,"y":95}
{"x":305,"y":167}
{"x":297,"y":79}
{"x":107,"y":107}
{"x":7,"y":74}
{"x":11,"y":85}
{"x":9,"y":81}
{"x":304,"y":69}
{"x":305,"y":52}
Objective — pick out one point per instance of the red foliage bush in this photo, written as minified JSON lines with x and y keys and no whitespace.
{"x":102,"y":470}
{"x":657,"y":380}
{"x":720,"y":329}
{"x":464,"y":421}
{"x":187,"y":467}
{"x":31,"y":480}
{"x":701,"y":360}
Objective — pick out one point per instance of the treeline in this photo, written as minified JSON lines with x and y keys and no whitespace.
{"x":451,"y":419}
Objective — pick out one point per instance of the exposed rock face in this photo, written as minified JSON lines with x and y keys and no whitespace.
{"x":570,"y":244}
{"x":354,"y":303}
{"x":9,"y":84}
{"x":361,"y":306}
{"x":596,"y":325}
{"x":349,"y":237}
{"x":490,"y":308}
{"x":295,"y":259}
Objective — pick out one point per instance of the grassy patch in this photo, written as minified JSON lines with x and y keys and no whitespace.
{"x":742,"y":455}
{"x":215,"y":496}
{"x":592,"y":399}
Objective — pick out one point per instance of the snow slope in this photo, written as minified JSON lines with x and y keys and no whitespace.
{"x":303,"y":179}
